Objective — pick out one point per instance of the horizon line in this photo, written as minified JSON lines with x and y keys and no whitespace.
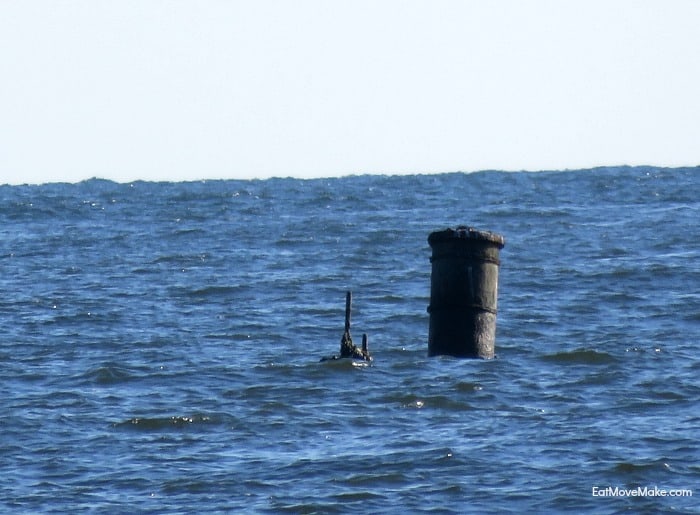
{"x":214,"y":178}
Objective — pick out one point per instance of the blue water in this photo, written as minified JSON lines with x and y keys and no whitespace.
{"x":160,"y":346}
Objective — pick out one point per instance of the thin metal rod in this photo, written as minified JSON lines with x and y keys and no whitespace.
{"x":348,"y":308}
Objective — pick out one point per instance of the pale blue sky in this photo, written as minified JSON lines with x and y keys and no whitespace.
{"x":175,"y":90}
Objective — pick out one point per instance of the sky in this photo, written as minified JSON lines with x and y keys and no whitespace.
{"x":189,"y":90}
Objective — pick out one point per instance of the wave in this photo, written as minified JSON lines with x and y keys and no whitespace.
{"x":176,"y":422}
{"x":581,"y":357}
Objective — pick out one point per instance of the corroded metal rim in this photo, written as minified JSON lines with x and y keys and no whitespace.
{"x":466,"y":233}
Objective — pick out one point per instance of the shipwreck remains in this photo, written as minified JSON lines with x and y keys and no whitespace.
{"x":347,"y":348}
{"x":463,"y":292}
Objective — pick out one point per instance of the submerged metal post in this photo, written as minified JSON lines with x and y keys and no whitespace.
{"x":347,"y":348}
{"x":463,"y":292}
{"x":348,"y":310}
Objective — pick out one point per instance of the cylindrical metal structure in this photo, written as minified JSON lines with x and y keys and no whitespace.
{"x":463,"y":292}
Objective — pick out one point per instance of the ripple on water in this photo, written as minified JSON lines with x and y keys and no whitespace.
{"x":581,"y":357}
{"x":110,"y":374}
{"x":176,"y":422}
{"x":628,"y":467}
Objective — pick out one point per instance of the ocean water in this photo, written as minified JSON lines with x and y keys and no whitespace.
{"x":160,"y":346}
